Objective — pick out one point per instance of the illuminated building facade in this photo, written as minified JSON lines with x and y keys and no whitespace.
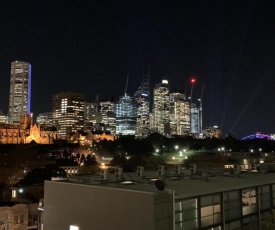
{"x":68,"y":112}
{"x":142,"y":97}
{"x":126,"y":115}
{"x":211,"y":132}
{"x":3,"y":117}
{"x":195,"y":119}
{"x":20,"y":91}
{"x":108,"y":115}
{"x":26,"y":132}
{"x":45,"y":119}
{"x":161,"y":107}
{"x":90,"y":109}
{"x":179,"y":114}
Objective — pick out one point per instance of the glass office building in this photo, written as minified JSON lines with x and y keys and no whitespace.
{"x":68,"y":112}
{"x":126,"y":115}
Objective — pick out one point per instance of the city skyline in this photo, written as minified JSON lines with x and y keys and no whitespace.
{"x":80,"y":47}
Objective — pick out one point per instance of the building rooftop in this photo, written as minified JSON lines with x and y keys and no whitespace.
{"x":184,"y":185}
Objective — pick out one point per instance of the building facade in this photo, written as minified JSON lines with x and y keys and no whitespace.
{"x":179,"y":114}
{"x":68,"y":112}
{"x":126,"y":115}
{"x":3,"y":117}
{"x":142,"y":97}
{"x":225,"y":201}
{"x":161,"y":108}
{"x":195,"y":119}
{"x":27,"y":132}
{"x":45,"y":119}
{"x":20,"y":91}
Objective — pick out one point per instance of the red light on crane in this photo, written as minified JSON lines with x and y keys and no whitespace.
{"x":193,"y":80}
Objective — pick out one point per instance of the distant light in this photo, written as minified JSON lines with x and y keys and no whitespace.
{"x":193,"y":80}
{"x":20,"y":190}
{"x":164,"y":82}
{"x":186,"y":157}
{"x":176,"y":147}
{"x":127,"y":182}
{"x":173,"y":158}
{"x":180,"y":154}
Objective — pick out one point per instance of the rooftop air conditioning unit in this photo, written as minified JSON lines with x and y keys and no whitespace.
{"x":104,"y":174}
{"x":193,"y":168}
{"x":177,"y":169}
{"x":118,"y":173}
{"x":140,"y":171}
{"x":161,"y":170}
{"x":237,"y":169}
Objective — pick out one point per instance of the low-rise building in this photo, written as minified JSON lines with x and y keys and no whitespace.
{"x":192,"y":199}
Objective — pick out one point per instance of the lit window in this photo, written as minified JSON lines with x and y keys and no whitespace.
{"x":73,"y":227}
{"x":13,"y":193}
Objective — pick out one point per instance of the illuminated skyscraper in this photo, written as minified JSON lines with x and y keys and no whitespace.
{"x":195,"y":119}
{"x":107,"y":111}
{"x":68,"y":112}
{"x":45,"y":119}
{"x":161,"y":108}
{"x":126,"y":115}
{"x":20,"y":91}
{"x":179,"y":114}
{"x":142,"y":97}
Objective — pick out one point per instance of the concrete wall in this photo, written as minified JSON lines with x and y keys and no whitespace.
{"x":100,"y":208}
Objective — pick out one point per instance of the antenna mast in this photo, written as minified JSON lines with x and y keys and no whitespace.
{"x":126,"y":87}
{"x":200,"y":111}
{"x":96,"y":104}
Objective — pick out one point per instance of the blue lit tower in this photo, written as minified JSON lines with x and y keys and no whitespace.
{"x":126,"y":114}
{"x":142,"y":97}
{"x":20,"y":91}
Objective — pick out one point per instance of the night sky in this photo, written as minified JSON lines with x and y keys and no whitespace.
{"x":90,"y":46}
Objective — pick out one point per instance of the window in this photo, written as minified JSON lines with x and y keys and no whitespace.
{"x":249,"y":201}
{"x":210,"y":210}
{"x":186,"y":216}
{"x":232,"y":205}
{"x":273,"y":194}
{"x":265,"y":198}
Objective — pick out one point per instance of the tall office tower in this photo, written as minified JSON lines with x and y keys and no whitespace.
{"x":45,"y":119}
{"x":195,"y":119}
{"x":161,"y":108}
{"x":108,"y":115}
{"x":90,"y":109}
{"x":68,"y":112}
{"x":20,"y":91}
{"x":179,"y":114}
{"x":142,"y":97}
{"x":126,"y":115}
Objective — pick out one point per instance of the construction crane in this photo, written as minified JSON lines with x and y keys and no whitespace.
{"x":200,"y":110}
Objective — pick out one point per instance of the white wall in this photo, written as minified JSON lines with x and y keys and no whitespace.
{"x":99,"y":208}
